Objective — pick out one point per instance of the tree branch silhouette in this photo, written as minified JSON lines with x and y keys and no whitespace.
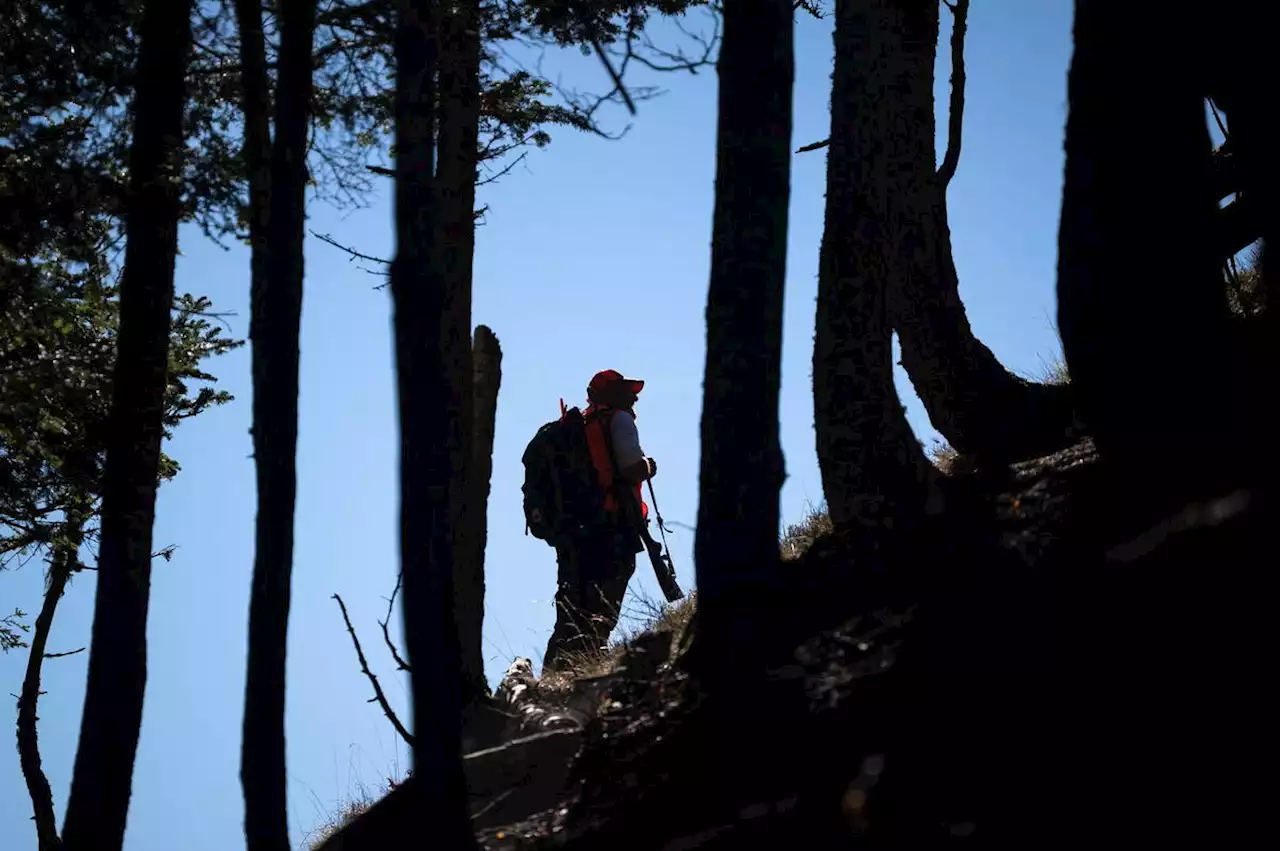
{"x":401,"y":664}
{"x":378,"y":695}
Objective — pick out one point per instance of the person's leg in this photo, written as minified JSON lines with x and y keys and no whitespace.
{"x":607,"y":591}
{"x":572,"y":632}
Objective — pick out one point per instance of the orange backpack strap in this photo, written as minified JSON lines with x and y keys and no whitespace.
{"x":600,"y":442}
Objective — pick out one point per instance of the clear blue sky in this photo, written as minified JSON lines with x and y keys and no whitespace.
{"x":594,"y":254}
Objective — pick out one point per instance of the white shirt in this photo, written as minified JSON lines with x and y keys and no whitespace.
{"x":626,"y":440}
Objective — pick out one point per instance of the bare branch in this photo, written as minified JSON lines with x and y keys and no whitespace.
{"x":613,"y":75}
{"x":951,"y":160}
{"x":67,"y":653}
{"x":506,"y":169}
{"x":373,"y":678}
{"x":1217,"y":118}
{"x":357,"y":255}
{"x":813,"y":146}
{"x":401,"y":664}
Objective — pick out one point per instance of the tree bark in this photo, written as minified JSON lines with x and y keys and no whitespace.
{"x":430,"y":355}
{"x":457,"y":161}
{"x":64,"y":561}
{"x":877,"y":234}
{"x":256,"y":110}
{"x":1136,"y":116}
{"x":102,"y":780}
{"x":486,"y":362}
{"x":276,"y":294}
{"x":975,"y":403}
{"x":736,"y":544}
{"x":1242,"y":81}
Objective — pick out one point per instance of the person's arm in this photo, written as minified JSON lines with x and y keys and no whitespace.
{"x":627,"y":454}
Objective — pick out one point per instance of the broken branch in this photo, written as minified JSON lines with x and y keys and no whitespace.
{"x":379,"y":696}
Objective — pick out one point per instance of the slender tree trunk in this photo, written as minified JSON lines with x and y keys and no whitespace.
{"x":1136,"y":116}
{"x":64,"y":561}
{"x":486,"y":361}
{"x":979,"y":407}
{"x":741,"y":473}
{"x":458,"y":142}
{"x":432,"y":443}
{"x":276,"y":293}
{"x":877,"y":235}
{"x":256,"y":107}
{"x":102,"y":781}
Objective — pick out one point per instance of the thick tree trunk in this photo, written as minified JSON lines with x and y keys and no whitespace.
{"x":878,"y":233}
{"x":979,"y":406}
{"x":102,"y":781}
{"x":64,"y":561}
{"x":741,"y":472}
{"x":276,"y":294}
{"x":1243,"y":80}
{"x":431,"y":379}
{"x":1146,"y":334}
{"x":456,"y":165}
{"x":486,"y":359}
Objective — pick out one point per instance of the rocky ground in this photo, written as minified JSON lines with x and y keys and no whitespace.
{"x":1042,"y":668}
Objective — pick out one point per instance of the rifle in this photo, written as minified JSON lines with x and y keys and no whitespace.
{"x":663,"y":569}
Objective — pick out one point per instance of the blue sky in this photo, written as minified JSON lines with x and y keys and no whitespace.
{"x":594,"y":255}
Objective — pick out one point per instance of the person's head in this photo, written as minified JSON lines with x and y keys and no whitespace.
{"x":610,"y":387}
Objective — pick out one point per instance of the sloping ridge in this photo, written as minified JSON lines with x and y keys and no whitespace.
{"x":532,"y":740}
{"x":949,"y":685}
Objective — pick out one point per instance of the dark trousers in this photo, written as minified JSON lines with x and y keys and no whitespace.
{"x":593,"y":577}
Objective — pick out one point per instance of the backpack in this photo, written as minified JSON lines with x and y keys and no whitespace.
{"x":561,"y":493}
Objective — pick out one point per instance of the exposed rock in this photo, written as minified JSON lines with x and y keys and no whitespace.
{"x":505,"y":784}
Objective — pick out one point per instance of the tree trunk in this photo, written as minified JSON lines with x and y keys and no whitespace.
{"x":1136,"y":116}
{"x":979,"y":407}
{"x":1243,"y":80}
{"x":877,"y":234}
{"x":736,"y":544}
{"x":276,"y":294}
{"x":456,"y":165}
{"x":486,"y":362}
{"x":102,"y":781}
{"x":430,"y":387}
{"x":256,"y":109}
{"x":64,"y":561}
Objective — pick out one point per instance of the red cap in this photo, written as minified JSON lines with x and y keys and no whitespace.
{"x":606,"y":378}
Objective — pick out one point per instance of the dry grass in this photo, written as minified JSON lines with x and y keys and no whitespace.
{"x":798,"y":537}
{"x":1054,"y":373}
{"x":643,"y":614}
{"x":363,"y":798}
{"x":944,"y":457}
